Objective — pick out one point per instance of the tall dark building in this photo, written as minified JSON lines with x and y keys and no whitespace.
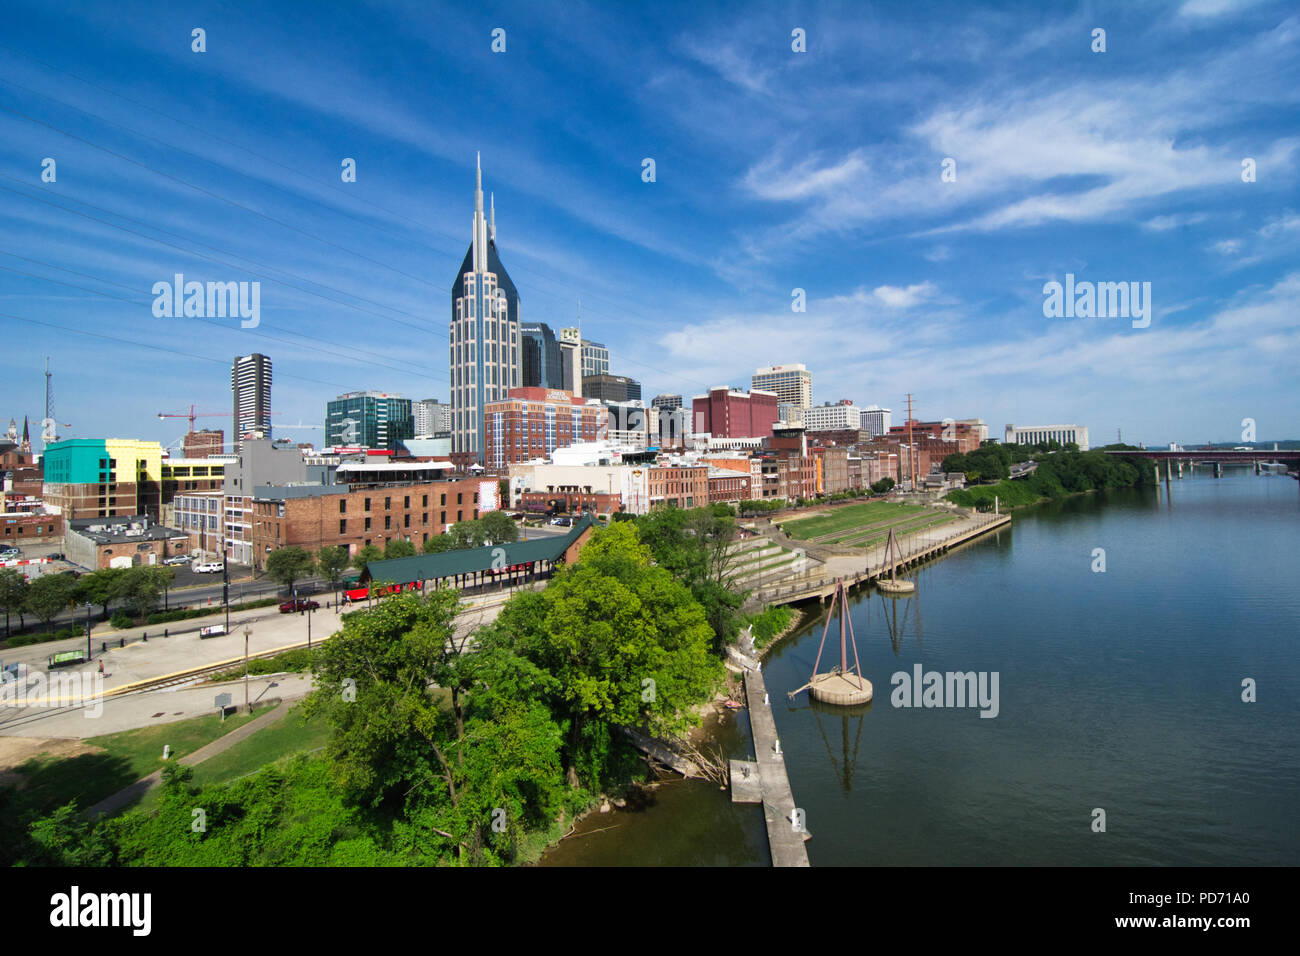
{"x":611,"y":388}
{"x":483,"y":337}
{"x":539,"y":351}
{"x":250,"y":386}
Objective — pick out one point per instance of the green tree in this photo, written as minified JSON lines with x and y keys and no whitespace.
{"x":287,"y":565}
{"x":498,"y":528}
{"x":627,"y":644}
{"x":467,"y":534}
{"x":13,"y":595}
{"x":332,"y":560}
{"x":140,"y":588}
{"x":100,"y":587}
{"x":438,"y":544}
{"x":48,"y":595}
{"x":365,"y":555}
{"x":399,"y":548}
{"x":882,"y":486}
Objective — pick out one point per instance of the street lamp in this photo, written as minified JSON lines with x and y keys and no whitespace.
{"x":89,"y":655}
{"x":247,"y":632}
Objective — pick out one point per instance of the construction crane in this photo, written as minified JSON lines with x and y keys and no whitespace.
{"x":191,"y":415}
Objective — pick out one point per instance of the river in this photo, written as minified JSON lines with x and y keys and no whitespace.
{"x":1118,"y":690}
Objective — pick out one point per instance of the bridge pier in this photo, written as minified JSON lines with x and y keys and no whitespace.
{"x":1180,"y":470}
{"x":1218,"y":469}
{"x":1257,"y":466}
{"x":1169,"y":471}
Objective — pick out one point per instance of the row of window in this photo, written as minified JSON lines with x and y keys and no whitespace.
{"x":406,"y":522}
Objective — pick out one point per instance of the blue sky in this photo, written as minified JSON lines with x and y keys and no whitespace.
{"x":775,"y":170}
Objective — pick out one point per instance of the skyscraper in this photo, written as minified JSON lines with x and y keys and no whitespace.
{"x":792,"y":383}
{"x":595,"y":359}
{"x":571,"y":360}
{"x":539,"y":357}
{"x":432,"y":417}
{"x":483,"y":337}
{"x":369,"y":419}
{"x":250,"y":386}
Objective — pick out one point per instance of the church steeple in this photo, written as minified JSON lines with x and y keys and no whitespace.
{"x":26,"y":445}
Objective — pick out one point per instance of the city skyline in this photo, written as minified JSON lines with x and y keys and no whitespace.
{"x":1122,"y":166}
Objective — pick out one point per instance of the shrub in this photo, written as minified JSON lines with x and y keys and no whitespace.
{"x":121,"y":619}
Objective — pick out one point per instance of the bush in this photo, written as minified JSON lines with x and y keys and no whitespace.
{"x":121,"y":619}
{"x":771,"y":622}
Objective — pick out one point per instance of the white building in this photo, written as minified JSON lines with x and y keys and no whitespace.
{"x":841,"y":416}
{"x":792,"y":383}
{"x":876,"y":420}
{"x":432,"y":417}
{"x":1038,"y":434}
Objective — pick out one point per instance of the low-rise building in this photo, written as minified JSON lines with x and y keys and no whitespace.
{"x":121,"y":542}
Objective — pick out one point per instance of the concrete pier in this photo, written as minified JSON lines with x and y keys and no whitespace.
{"x":786,"y":843}
{"x":879,"y":566}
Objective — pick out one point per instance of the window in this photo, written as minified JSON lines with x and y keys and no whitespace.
{"x":424,"y":519}
{"x":406,"y":502}
{"x":460,"y":497}
{"x":460,"y":516}
{"x":343,"y":506}
{"x":388,"y":522}
{"x":367,"y":525}
{"x":388,"y":503}
{"x":444,"y":500}
{"x":343,"y":526}
{"x":367,"y":504}
{"x":443,"y":517}
{"x":425,"y":502}
{"x":406,"y":521}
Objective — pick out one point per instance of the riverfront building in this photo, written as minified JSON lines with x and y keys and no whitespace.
{"x":1037,"y":434}
{"x":483,"y":336}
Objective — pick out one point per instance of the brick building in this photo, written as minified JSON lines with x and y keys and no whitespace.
{"x":726,"y":413}
{"x":201,"y":444}
{"x":29,"y":525}
{"x":728,"y":485}
{"x":117,"y":542}
{"x":685,"y":486}
{"x":531,"y":422}
{"x":313,"y":516}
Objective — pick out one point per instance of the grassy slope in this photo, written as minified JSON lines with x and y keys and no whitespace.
{"x":848,"y":516}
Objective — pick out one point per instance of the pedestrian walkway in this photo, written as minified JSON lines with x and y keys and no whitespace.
{"x":128,"y":795}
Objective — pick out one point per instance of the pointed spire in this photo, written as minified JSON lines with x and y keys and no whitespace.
{"x":492,"y":218}
{"x":480,"y":224}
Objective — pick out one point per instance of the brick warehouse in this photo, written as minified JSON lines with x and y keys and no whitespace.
{"x":312,"y":517}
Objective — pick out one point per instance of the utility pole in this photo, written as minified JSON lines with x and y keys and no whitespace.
{"x":247,"y":632}
{"x":911,"y":461}
{"x":225,"y":588}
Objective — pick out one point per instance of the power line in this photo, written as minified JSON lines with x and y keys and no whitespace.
{"x":107,"y":295}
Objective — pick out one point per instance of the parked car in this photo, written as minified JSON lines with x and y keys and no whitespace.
{"x":178,"y":559}
{"x":289,"y":607}
{"x":7,"y":554}
{"x":210,"y":567}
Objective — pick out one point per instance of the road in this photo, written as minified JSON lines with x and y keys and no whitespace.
{"x":139,"y":659}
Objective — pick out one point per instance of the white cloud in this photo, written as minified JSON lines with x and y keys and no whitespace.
{"x":904,"y":297}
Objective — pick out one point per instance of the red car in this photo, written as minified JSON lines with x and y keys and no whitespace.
{"x":288,"y":607}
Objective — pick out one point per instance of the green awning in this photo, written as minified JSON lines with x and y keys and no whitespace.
{"x":446,"y":564}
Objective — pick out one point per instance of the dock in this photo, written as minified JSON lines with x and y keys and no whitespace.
{"x":785,"y":842}
{"x":921,"y":547}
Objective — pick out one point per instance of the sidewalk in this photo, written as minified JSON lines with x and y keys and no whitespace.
{"x":135,"y":791}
